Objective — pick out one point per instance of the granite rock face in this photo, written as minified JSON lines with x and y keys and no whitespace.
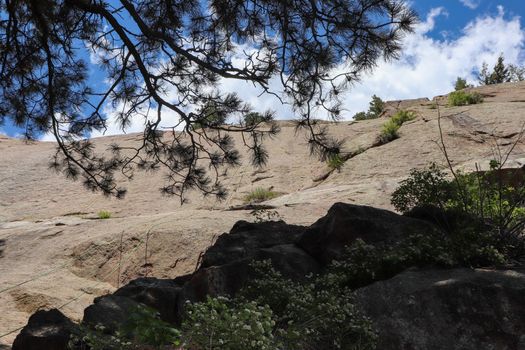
{"x":467,"y":309}
{"x":416,"y":309}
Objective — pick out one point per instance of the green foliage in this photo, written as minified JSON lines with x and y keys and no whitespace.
{"x":145,"y":327}
{"x":361,"y":116}
{"x":501,"y":73}
{"x":220,"y":323}
{"x":212,"y":114}
{"x":254,"y":118}
{"x":462,"y":98}
{"x":104,"y":214}
{"x":312,"y":314}
{"x":142,"y":328}
{"x":403,"y":116}
{"x":389,"y":131}
{"x":423,"y":186}
{"x":375,"y":108}
{"x":516,"y":73}
{"x":461,"y":84}
{"x":490,"y":211}
{"x":260,"y":195}
{"x":335,"y":161}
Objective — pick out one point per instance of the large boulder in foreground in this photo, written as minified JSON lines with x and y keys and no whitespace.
{"x":327,"y":238}
{"x":49,"y":330}
{"x":109,"y":311}
{"x":448,"y":309}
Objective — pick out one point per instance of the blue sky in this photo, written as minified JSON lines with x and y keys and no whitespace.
{"x":453,"y":39}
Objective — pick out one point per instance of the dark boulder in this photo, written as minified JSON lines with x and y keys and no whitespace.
{"x":327,"y":238}
{"x":109,"y":311}
{"x":448,"y":309}
{"x":159,"y":294}
{"x":246,"y":239}
{"x":49,"y":330}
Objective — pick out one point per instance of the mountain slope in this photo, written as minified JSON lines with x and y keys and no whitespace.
{"x":57,"y":252}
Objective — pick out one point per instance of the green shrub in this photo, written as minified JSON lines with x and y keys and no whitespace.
{"x":220,"y":323}
{"x":389,"y":131}
{"x":375,"y":108}
{"x":142,"y":328}
{"x":310,"y":315}
{"x":462,"y":98}
{"x":260,"y":195}
{"x":423,"y":186}
{"x":390,"y":128}
{"x":335,"y":161}
{"x":361,"y":116}
{"x":403,"y":116}
{"x":488,"y":212}
{"x":254,"y":118}
{"x":212,"y":114}
{"x":104,"y":214}
{"x":461,"y":84}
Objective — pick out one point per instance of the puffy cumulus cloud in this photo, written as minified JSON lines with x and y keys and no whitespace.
{"x":471,"y":4}
{"x":427,"y":67}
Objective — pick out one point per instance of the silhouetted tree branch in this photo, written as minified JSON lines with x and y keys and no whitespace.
{"x":170,"y":55}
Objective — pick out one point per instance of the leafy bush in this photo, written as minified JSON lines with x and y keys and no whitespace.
{"x":212,"y":114}
{"x":423,"y":186}
{"x":389,"y":131}
{"x":220,"y":323}
{"x":335,"y":161}
{"x":142,"y":328}
{"x":488,"y":212}
{"x":462,"y":98}
{"x":260,"y":195}
{"x":104,"y":214}
{"x":254,"y":118}
{"x":310,"y":315}
{"x":403,"y":116}
{"x":375,"y":108}
{"x":461,"y":84}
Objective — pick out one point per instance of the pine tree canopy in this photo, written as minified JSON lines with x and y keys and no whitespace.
{"x":170,"y":56}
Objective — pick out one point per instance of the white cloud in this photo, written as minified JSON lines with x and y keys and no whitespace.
{"x":471,"y":4}
{"x":427,"y":68}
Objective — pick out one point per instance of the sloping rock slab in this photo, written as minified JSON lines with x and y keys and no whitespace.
{"x":327,"y":238}
{"x":49,"y":330}
{"x":448,"y":309}
{"x":246,"y":238}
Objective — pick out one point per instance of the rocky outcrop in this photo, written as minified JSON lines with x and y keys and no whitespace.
{"x":415,"y":310}
{"x":246,"y":239}
{"x":49,"y":330}
{"x":448,"y":309}
{"x":327,"y":238}
{"x":159,"y":294}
